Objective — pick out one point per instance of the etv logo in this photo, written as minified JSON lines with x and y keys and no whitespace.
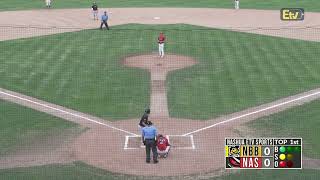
{"x":292,"y":14}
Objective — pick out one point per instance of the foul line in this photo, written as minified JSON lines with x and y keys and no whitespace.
{"x":66,"y":112}
{"x":255,"y":112}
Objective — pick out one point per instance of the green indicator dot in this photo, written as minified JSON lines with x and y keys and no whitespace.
{"x":297,"y":149}
{"x":289,"y":149}
{"x":282,"y":149}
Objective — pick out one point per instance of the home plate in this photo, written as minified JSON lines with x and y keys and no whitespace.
{"x":156,"y":18}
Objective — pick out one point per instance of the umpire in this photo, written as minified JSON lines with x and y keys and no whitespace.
{"x":104,"y":19}
{"x":149,"y":134}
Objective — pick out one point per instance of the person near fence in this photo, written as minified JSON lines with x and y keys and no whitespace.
{"x":95,"y":11}
{"x":163,"y":146}
{"x":48,"y":3}
{"x":236,"y":4}
{"x":149,"y":134}
{"x":104,"y":20}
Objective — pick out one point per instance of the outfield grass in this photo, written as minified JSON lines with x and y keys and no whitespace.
{"x":20,"y":125}
{"x":82,"y":70}
{"x":309,"y":5}
{"x":80,"y":171}
{"x":302,"y":121}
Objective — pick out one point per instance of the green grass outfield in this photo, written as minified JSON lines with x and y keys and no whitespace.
{"x":309,"y":5}
{"x":80,"y":171}
{"x":302,"y":121}
{"x":272,"y":174}
{"x":82,"y":70}
{"x":20,"y":126}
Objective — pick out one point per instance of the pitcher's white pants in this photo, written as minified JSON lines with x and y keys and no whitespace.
{"x":161,"y":49}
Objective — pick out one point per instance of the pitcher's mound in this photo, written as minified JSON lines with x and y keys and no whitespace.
{"x":169,"y":62}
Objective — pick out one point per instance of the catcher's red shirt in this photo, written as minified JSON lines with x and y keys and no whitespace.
{"x":162,"y":143}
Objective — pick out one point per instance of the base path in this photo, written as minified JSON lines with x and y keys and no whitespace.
{"x":20,"y":24}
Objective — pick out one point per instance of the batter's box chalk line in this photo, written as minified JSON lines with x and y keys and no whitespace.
{"x":138,"y":138}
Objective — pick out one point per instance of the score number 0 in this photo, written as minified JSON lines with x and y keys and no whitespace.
{"x":266,"y":152}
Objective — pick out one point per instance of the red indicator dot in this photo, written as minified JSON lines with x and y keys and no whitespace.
{"x":289,"y":164}
{"x":282,"y":164}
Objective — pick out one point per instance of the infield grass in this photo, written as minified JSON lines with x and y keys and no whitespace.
{"x":309,"y":5}
{"x":238,"y":70}
{"x":20,"y":126}
{"x":83,"y":71}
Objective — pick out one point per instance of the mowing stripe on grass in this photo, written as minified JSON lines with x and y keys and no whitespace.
{"x":254,"y":112}
{"x":66,"y":112}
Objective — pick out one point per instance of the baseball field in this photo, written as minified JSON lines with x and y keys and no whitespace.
{"x":71,"y":95}
{"x":310,"y":5}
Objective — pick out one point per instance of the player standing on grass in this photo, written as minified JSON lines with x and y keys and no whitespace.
{"x":48,"y":3}
{"x":161,"y":40}
{"x":95,"y":11}
{"x":149,"y":134}
{"x":104,"y":19}
{"x":236,"y":4}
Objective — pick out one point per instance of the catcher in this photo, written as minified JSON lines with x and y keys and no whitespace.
{"x":163,"y":146}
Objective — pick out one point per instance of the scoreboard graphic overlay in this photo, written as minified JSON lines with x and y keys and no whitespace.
{"x":263,"y":153}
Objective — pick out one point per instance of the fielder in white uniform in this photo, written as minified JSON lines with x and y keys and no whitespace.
{"x":48,"y":3}
{"x":236,"y":4}
{"x":95,"y":11}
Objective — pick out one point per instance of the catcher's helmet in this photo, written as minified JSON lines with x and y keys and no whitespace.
{"x":147,"y":110}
